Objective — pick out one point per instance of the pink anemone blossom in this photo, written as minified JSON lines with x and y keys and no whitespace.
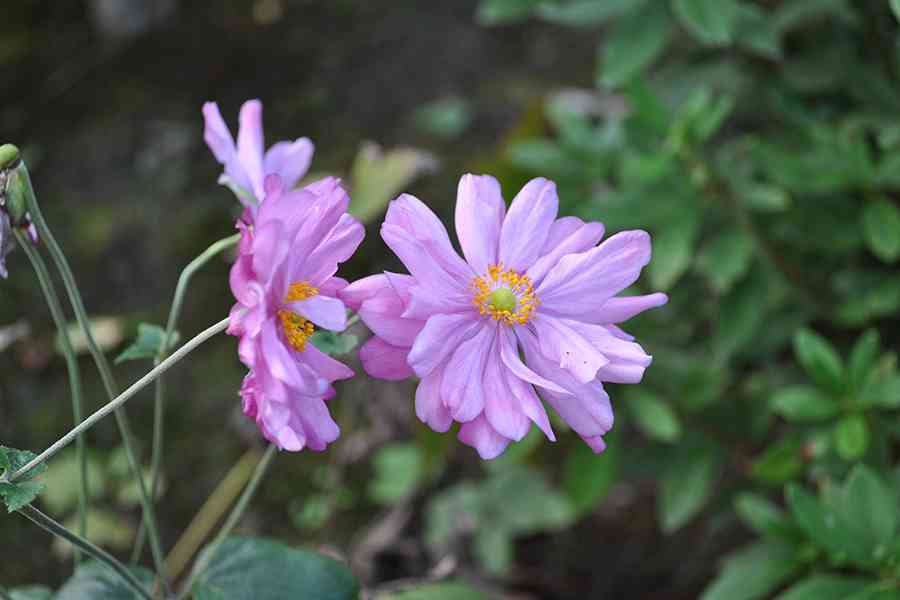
{"x":285,"y":285}
{"x":531,"y":286}
{"x":247,"y":163}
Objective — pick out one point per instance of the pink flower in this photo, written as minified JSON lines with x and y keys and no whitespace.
{"x":284,"y":284}
{"x":248,"y":163}
{"x":531,"y":285}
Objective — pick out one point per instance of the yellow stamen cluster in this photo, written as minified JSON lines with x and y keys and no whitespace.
{"x":519,"y":284}
{"x":297,"y":329}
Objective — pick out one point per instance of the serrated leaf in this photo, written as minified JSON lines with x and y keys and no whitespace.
{"x":19,"y":495}
{"x":824,"y":587}
{"x":332,"y":343}
{"x":98,"y":582}
{"x":685,"y":489}
{"x":637,"y":40}
{"x":752,"y":572}
{"x":25,"y":490}
{"x":819,"y":359}
{"x":262,"y":569}
{"x":881,"y":229}
{"x":851,"y":437}
{"x":378,"y":175}
{"x":804,"y":403}
{"x":148,"y":344}
{"x":711,"y":22}
{"x":654,"y":417}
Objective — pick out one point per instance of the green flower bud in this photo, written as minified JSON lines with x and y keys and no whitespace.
{"x":9,"y":156}
{"x":15,"y":196}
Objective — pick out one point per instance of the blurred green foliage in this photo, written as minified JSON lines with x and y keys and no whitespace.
{"x":759,"y":143}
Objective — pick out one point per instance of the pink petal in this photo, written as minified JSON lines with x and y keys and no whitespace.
{"x":617,"y":310}
{"x":509,"y":354}
{"x":425,"y":301}
{"x":502,"y":408}
{"x":337,"y":247}
{"x":479,"y":216}
{"x":530,"y":404}
{"x":479,"y":434}
{"x":562,"y":228}
{"x":565,"y":345}
{"x":440,"y":337}
{"x":250,"y":144}
{"x":325,"y":366}
{"x":328,"y":313}
{"x":216,"y":134}
{"x":333,"y":286}
{"x":462,"y":388}
{"x":527,"y":224}
{"x":429,"y":407}
{"x":583,"y":238}
{"x":580,"y":284}
{"x":596,"y":443}
{"x":382,"y":313}
{"x":290,"y":160}
{"x":383,"y":361}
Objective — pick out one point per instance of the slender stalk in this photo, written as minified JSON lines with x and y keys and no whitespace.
{"x":233,"y":518}
{"x":65,"y":343}
{"x":159,"y":408}
{"x":62,"y":264}
{"x":118,"y":401}
{"x":48,"y":524}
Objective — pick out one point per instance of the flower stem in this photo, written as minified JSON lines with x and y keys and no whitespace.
{"x":119,"y":400}
{"x":233,"y":518}
{"x":65,"y":344}
{"x":48,"y":524}
{"x":159,"y":409}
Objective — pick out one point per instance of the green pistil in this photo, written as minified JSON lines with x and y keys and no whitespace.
{"x":503,"y":299}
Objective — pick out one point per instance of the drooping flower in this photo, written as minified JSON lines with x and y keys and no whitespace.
{"x":247,"y":163}
{"x":285,"y":285}
{"x":530,"y":285}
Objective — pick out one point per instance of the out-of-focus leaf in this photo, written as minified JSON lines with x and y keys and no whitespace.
{"x":765,"y":198}
{"x":895,"y":7}
{"x":398,"y":470}
{"x":654,"y":416}
{"x":803,"y":403}
{"x":588,"y":477}
{"x":63,"y":478}
{"x":685,"y":488}
{"x":881,"y":229}
{"x":862,"y":358}
{"x":312,"y":512}
{"x":871,"y":509}
{"x":781,"y":462}
{"x":878,"y":300}
{"x":851,"y":437}
{"x":819,"y":359}
{"x":726,"y":258}
{"x":753,"y":572}
{"x":449,"y":590}
{"x":711,"y":22}
{"x":796,"y":13}
{"x":31,"y":592}
{"x":586,"y":13}
{"x":262,"y":569}
{"x":498,"y":12}
{"x":105,"y":528}
{"x":98,"y":582}
{"x":378,"y":176}
{"x":756,"y":32}
{"x":743,"y":310}
{"x":824,"y":587}
{"x":636,"y":41}
{"x":445,"y":118}
{"x":108,"y":332}
{"x":673,"y":249}
{"x":332,"y":343}
{"x":761,"y":515}
{"x":149,"y":342}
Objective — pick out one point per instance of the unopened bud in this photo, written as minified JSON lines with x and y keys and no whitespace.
{"x":15,"y":197}
{"x":9,"y":156}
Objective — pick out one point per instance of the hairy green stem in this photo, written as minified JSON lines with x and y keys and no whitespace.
{"x":233,"y":518}
{"x":48,"y":524}
{"x":159,"y":408}
{"x":65,"y":344}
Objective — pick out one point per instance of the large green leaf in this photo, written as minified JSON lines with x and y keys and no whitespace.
{"x":263,"y":569}
{"x":870,"y":509}
{"x":98,"y":582}
{"x":637,"y":40}
{"x":753,"y":572}
{"x":711,"y":22}
{"x":685,"y":488}
{"x":819,"y":359}
{"x":654,"y":416}
{"x":802,"y":403}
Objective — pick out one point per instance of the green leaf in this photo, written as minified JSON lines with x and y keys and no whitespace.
{"x":757,"y":33}
{"x":636,"y":41}
{"x":726,"y":259}
{"x":446,"y":118}
{"x":22,"y":493}
{"x":804,"y":403}
{"x":378,"y":175}
{"x":685,"y":488}
{"x":98,"y":582}
{"x":262,"y":569}
{"x":711,"y":22}
{"x":780,"y":462}
{"x":895,"y":7}
{"x":823,"y":587}
{"x":588,"y":477}
{"x":760,"y":514}
{"x":673,"y":249}
{"x":18,"y":495}
{"x":881,"y":229}
{"x":819,"y":359}
{"x":870,"y":508}
{"x":823,"y":526}
{"x":333,"y":343}
{"x":148,"y":344}
{"x":63,"y":479}
{"x":449,"y":590}
{"x":753,"y":572}
{"x":766,"y":198}
{"x":851,"y":437}
{"x":797,"y":13}
{"x":586,"y":13}
{"x":863,"y":357}
{"x":498,"y":12}
{"x":398,"y":470}
{"x":654,"y":417}
{"x":31,"y":592}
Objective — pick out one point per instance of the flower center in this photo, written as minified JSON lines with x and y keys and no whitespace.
{"x":297,"y":328}
{"x":504,"y":295}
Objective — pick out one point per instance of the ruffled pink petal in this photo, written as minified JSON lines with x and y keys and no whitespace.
{"x":562,"y":228}
{"x":502,"y":408}
{"x":479,"y":216}
{"x":383,"y":361}
{"x":568,"y":348}
{"x":531,"y":404}
{"x":479,"y":434}
{"x":580,"y":284}
{"x":337,"y":247}
{"x":509,"y":354}
{"x":251,"y":145}
{"x":429,"y":407}
{"x":333,"y":286}
{"x":440,"y":337}
{"x":462,"y":388}
{"x":382,"y":310}
{"x":580,"y":240}
{"x":310,"y":415}
{"x":328,"y":313}
{"x":216,"y":134}
{"x":326,"y":367}
{"x":363,"y":289}
{"x":425,"y":301}
{"x":527,"y":224}
{"x":290,"y":160}
{"x":617,"y":310}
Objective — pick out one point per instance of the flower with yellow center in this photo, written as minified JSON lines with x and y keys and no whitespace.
{"x":504,"y":295}
{"x":297,"y":329}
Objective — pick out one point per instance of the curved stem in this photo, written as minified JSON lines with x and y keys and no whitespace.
{"x":48,"y":524}
{"x":233,"y":518}
{"x":159,"y":408}
{"x":65,"y":344}
{"x":119,"y":400}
